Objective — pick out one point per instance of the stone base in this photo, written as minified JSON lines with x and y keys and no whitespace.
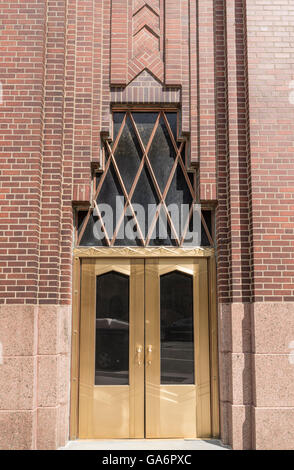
{"x":257,"y":375}
{"x":34,"y":376}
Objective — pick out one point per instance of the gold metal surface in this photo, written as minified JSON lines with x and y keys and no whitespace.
{"x":140,"y":252}
{"x":178,"y":146}
{"x":170,"y":410}
{"x":149,"y":355}
{"x":74,"y":391}
{"x":201,"y":335}
{"x":178,"y":411}
{"x":213,"y":330}
{"x":111,"y":411}
{"x":139,"y":351}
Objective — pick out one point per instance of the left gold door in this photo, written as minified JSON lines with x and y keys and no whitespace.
{"x":111,"y":390}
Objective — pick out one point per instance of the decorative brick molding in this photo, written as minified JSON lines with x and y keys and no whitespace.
{"x":206,"y":101}
{"x":63,"y":65}
{"x":81,"y":194}
{"x":136,"y":39}
{"x":145,"y":89}
{"x":174,"y":42}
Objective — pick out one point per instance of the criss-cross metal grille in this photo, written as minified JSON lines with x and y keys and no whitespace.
{"x":145,"y":165}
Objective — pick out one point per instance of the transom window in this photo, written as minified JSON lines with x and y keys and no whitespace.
{"x":146,"y":195}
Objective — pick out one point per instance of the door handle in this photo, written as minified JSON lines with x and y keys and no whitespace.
{"x":149,"y":354}
{"x":139,"y":351}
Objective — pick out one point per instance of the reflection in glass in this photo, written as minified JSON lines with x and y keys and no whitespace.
{"x":112,"y":329}
{"x":128,"y":154}
{"x":163,"y":174}
{"x":176,"y":328}
{"x":162,"y":154}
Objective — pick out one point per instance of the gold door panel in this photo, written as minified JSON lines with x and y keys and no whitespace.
{"x":111,"y":411}
{"x":177,"y":410}
{"x":167,"y":393}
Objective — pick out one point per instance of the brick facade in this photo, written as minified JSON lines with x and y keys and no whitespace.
{"x":229,"y":65}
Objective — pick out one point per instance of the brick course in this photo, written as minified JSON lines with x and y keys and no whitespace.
{"x":229,"y":65}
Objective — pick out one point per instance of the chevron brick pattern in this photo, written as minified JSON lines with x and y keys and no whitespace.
{"x":147,"y":33}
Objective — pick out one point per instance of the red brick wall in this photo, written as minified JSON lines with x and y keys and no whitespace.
{"x":50,"y":135}
{"x":51,"y":132}
{"x":232,"y":141}
{"x":271,"y":71}
{"x":55,"y":74}
{"x":230,"y":65}
{"x":255,"y":221}
{"x":270,"y":27}
{"x":255,"y":150}
{"x":21,"y":124}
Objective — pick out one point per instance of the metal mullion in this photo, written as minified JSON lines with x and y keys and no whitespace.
{"x":155,"y":219}
{"x":160,"y":196}
{"x":119,"y":133}
{"x":157,"y":188}
{"x":102,"y":223}
{"x":169,"y":181}
{"x":140,"y":169}
{"x":156,"y":216}
{"x":137,"y":134}
{"x":84,"y":226}
{"x":173,"y":170}
{"x":153,"y":223}
{"x":193,"y":193}
{"x":170,"y":131}
{"x":134,"y":185}
{"x":108,"y":161}
{"x":102,"y":179}
{"x":178,"y":158}
{"x":94,"y":199}
{"x":202,"y":220}
{"x":187,"y":177}
{"x":128,"y":200}
{"x":150,"y":169}
{"x":190,"y":214}
{"x":181,"y":160}
{"x":171,"y":224}
{"x":145,"y":151}
{"x":163,"y":196}
{"x":180,"y":155}
{"x":176,"y":149}
{"x":206,"y":230}
{"x":125,"y":194}
{"x":111,"y":152}
{"x":187,"y":224}
{"x":118,"y":225}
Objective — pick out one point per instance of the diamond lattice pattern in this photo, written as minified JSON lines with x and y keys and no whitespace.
{"x":145,"y":165}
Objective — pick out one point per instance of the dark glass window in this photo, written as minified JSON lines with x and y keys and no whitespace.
{"x":176,"y":329}
{"x":112,"y":329}
{"x":145,"y":184}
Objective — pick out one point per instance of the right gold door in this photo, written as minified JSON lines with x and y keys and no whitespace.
{"x":177,"y":377}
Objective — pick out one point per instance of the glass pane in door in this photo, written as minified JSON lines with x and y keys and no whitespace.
{"x":176,"y":329}
{"x":112,"y":329}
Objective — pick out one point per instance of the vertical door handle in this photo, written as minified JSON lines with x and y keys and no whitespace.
{"x":139,"y":351}
{"x":149,"y":354}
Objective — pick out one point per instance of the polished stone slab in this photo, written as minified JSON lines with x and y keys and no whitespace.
{"x":146,"y":444}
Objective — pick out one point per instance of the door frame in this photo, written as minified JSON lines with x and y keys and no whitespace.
{"x":138,"y":252}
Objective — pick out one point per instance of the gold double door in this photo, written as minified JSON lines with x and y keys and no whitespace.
{"x":144,"y":349}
